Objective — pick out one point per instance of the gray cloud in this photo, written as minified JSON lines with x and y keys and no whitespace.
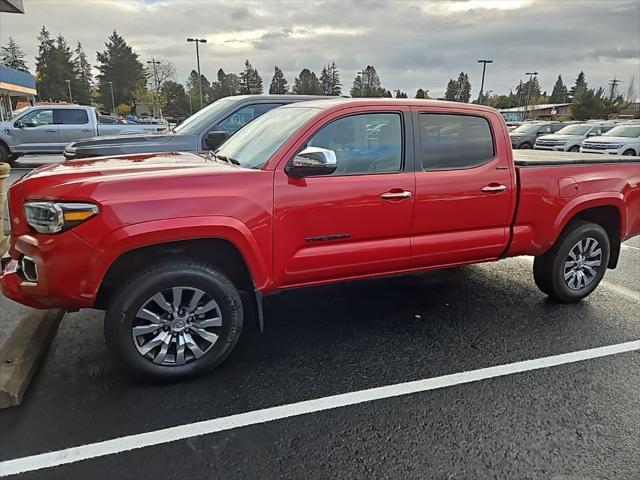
{"x":413,"y":44}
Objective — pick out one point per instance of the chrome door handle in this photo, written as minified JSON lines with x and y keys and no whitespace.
{"x":85,"y":130}
{"x":493,"y":188}
{"x":396,"y":195}
{"x":50,"y":131}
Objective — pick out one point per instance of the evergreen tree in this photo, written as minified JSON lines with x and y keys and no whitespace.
{"x":278,"y":82}
{"x":368,"y":84}
{"x":400,"y":94}
{"x":12,"y":56}
{"x":194,"y":90}
{"x":588,"y":103}
{"x":330,"y":80}
{"x":420,"y":93}
{"x":176,"y":100}
{"x":226,"y":85}
{"x":83,"y":78}
{"x":459,"y":90}
{"x":580,"y":85}
{"x":43,"y":61}
{"x":250,"y":80}
{"x":559,"y":92}
{"x":118,"y":64}
{"x":307,"y":83}
{"x":533,"y":94}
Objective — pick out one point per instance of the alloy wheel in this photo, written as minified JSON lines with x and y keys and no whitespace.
{"x":176,"y":326}
{"x":583,"y":263}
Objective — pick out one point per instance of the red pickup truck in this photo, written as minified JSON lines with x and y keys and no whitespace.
{"x":178,"y":248}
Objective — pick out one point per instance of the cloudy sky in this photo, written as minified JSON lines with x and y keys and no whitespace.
{"x":412,"y":44}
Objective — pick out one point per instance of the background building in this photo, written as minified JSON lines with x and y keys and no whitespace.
{"x":547,"y":111}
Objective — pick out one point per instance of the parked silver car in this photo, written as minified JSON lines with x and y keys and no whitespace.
{"x":569,"y":138}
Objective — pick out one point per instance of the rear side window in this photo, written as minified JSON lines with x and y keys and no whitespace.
{"x":63,"y":116}
{"x":450,"y":142}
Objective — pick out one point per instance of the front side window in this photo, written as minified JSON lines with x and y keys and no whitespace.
{"x":64,"y":116}
{"x":365,"y":143}
{"x":37,"y":118}
{"x":450,"y":142}
{"x":240,"y":118}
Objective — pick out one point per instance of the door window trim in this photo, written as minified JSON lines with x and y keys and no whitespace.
{"x":418,"y":142}
{"x":403,"y":139}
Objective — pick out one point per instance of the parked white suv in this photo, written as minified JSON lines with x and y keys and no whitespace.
{"x":569,"y":138}
{"x":620,"y":140}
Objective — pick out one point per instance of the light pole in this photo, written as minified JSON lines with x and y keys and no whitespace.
{"x":68,"y":82}
{"x":484,"y":67}
{"x":363,"y":72}
{"x":197,"y":41}
{"x":113,"y":102}
{"x":155,"y":63}
{"x":526,"y":105}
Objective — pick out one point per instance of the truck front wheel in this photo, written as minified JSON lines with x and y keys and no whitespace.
{"x":575,"y":265}
{"x":173,"y":321}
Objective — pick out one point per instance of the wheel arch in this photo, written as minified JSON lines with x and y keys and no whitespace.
{"x":604,"y":212}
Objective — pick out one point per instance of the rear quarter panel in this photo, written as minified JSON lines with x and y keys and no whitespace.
{"x":551,"y":196}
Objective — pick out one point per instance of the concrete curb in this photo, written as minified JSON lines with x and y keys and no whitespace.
{"x":22,"y":352}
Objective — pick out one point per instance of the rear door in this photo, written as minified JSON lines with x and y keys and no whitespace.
{"x":36,"y":132}
{"x":465,"y":190}
{"x":73,"y":124}
{"x":356,"y":221}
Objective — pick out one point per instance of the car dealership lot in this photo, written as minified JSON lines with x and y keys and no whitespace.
{"x":575,"y":420}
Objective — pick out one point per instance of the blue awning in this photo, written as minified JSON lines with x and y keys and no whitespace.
{"x":15,"y":82}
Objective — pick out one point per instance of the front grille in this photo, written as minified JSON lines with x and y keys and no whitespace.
{"x":599,"y":146}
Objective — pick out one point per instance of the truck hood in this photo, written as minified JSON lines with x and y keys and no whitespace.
{"x":82,"y":177}
{"x":556,"y":136}
{"x":134,"y":139}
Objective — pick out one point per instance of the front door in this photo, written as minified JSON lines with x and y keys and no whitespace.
{"x":465,"y":191}
{"x":36,"y":132}
{"x":356,"y":221}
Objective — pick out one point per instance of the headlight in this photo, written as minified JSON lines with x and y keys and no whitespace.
{"x":54,"y":217}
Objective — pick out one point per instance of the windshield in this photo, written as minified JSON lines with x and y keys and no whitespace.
{"x":254,"y":144}
{"x":530,"y":128}
{"x":630,"y":131}
{"x":196,"y":122}
{"x":574,"y":130}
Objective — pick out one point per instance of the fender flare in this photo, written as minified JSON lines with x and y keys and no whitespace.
{"x":156,"y":232}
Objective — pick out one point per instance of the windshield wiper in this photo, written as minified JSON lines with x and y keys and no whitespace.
{"x":230,"y":161}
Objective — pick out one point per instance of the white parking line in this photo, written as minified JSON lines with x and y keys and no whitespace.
{"x":629,"y":247}
{"x":181,"y":432}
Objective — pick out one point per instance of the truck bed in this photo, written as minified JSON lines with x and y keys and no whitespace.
{"x":537,"y":158}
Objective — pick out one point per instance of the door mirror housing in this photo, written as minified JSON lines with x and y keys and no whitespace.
{"x":214,"y":139}
{"x":592,"y":134}
{"x":18,"y":124}
{"x":312,"y":161}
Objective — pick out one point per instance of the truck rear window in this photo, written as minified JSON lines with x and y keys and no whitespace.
{"x":450,"y":142}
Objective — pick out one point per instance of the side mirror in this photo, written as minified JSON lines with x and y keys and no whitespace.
{"x":312,"y":161}
{"x":214,"y":139}
{"x":591,"y":134}
{"x":18,"y":124}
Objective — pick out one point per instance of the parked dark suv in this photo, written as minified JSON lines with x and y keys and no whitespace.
{"x":224,"y":117}
{"x":525,"y":135}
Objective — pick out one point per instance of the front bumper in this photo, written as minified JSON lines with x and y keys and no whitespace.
{"x":550,"y":148}
{"x":60,"y":264}
{"x":601,"y":152}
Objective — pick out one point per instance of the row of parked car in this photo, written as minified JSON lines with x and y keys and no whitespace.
{"x":595,"y":136}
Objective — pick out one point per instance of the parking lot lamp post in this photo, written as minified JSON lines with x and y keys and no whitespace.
{"x":113,"y":102}
{"x":484,"y":68}
{"x":197,"y":41}
{"x":69,"y":85}
{"x":155,"y":64}
{"x":526,"y":105}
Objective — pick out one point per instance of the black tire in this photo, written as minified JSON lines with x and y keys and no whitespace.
{"x":525,"y":146}
{"x":549,"y":269}
{"x":629,"y":153}
{"x":122,"y":311}
{"x":575,"y":148}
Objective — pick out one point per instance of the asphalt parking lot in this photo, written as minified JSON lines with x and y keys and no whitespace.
{"x":575,"y":420}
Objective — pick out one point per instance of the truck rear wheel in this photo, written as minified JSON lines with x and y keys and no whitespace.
{"x":173,"y":321}
{"x":575,"y":265}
